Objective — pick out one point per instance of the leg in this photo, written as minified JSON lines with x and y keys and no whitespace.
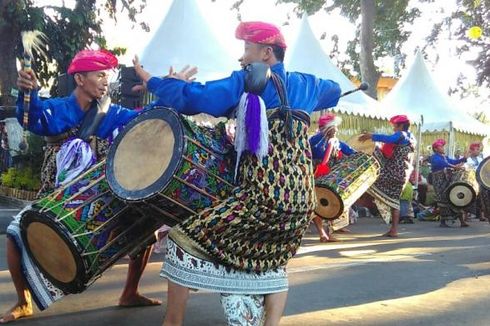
{"x":462,"y":219}
{"x":23,"y":307}
{"x":130,"y":296}
{"x":395,"y":218}
{"x":176,"y":302}
{"x":321,"y":231}
{"x":274,"y":307}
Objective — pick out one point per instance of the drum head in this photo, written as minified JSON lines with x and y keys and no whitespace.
{"x":52,"y":251}
{"x":460,"y":195}
{"x":367,"y":146}
{"x":145,"y":156}
{"x":483,"y":173}
{"x":329,"y":205}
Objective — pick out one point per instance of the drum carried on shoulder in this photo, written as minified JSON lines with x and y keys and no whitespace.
{"x":483,"y":173}
{"x":160,"y":169}
{"x":171,"y":165}
{"x":345,"y":183}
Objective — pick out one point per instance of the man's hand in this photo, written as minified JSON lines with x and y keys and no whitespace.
{"x":140,"y":72}
{"x":365,"y":136}
{"x":186,"y":74}
{"x":27,"y":81}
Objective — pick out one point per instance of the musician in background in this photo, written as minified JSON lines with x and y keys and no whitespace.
{"x":472,"y":162}
{"x":60,"y":120}
{"x":327,"y":150}
{"x":440,"y":164}
{"x":395,"y":158}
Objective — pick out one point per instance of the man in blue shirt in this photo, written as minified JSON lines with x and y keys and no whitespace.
{"x":59,"y":119}
{"x":440,"y":164}
{"x":240,"y":247}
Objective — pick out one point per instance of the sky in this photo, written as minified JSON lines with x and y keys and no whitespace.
{"x":223,"y":21}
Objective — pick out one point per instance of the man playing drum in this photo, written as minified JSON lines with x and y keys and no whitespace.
{"x":240,"y":247}
{"x":60,"y":119}
{"x":439,"y":163}
{"x":472,"y":162}
{"x":327,"y":150}
{"x":395,"y":158}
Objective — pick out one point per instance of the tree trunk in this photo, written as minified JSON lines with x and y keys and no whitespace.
{"x":369,"y":73}
{"x":8,"y":72}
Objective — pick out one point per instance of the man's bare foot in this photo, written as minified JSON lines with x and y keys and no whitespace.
{"x":138,"y":301}
{"x":16,"y":312}
{"x":464,"y":225}
{"x":343,"y":230}
{"x":391,"y":234}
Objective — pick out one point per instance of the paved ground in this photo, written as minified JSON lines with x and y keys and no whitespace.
{"x":428,"y":276}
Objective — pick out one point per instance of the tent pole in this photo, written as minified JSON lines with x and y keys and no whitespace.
{"x":451,"y":140}
{"x":417,"y":159}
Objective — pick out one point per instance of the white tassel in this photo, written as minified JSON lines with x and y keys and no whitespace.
{"x":241,"y":131}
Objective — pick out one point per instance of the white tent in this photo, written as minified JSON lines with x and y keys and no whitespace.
{"x":417,"y":94}
{"x":183,"y":38}
{"x":306,"y":55}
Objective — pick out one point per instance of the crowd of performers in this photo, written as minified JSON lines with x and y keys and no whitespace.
{"x":238,"y":247}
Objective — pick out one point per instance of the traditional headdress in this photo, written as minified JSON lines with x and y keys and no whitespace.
{"x":438,"y":143}
{"x":328,"y":120}
{"x":399,"y":119}
{"x":92,"y":60}
{"x":474,"y":146}
{"x":261,"y":33}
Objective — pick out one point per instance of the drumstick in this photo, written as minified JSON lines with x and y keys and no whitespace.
{"x":31,"y":40}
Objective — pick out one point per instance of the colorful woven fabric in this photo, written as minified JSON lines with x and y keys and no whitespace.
{"x":260,"y":226}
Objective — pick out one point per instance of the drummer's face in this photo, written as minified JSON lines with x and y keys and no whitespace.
{"x":439,"y":149}
{"x":254,"y":52}
{"x":94,"y":83}
{"x":398,"y":127}
{"x":332,"y":132}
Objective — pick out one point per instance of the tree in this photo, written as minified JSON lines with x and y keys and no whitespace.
{"x":458,"y":24}
{"x":380,"y":30}
{"x":68,"y":29}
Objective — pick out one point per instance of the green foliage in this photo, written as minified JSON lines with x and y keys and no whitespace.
{"x":468,"y":13}
{"x":24,"y":178}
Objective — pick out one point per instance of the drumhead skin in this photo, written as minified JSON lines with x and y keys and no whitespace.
{"x":145,"y":155}
{"x":329,"y":204}
{"x":483,"y":173}
{"x":367,"y":146}
{"x":460,"y":195}
{"x":53,"y":253}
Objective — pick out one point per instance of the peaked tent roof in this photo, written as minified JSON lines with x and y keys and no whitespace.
{"x":306,"y":55}
{"x":417,"y":94}
{"x":184,"y":38}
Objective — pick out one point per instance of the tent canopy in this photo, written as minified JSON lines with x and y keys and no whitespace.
{"x":306,"y":55}
{"x":416,"y":94}
{"x":184,"y":38}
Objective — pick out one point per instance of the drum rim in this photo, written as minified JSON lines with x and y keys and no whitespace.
{"x":485,"y":161}
{"x":153,"y":190}
{"x":79,"y":282}
{"x":459,"y":183}
{"x":338,"y":197}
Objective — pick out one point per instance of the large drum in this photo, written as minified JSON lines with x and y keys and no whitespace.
{"x":345,"y":183}
{"x":366,"y":147}
{"x":483,"y":173}
{"x":170,"y":164}
{"x":462,"y":189}
{"x":81,"y":229}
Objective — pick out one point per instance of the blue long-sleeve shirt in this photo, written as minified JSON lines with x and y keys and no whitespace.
{"x":439,"y":162}
{"x":55,"y":116}
{"x":319,"y":144}
{"x":398,"y":138}
{"x":218,"y":98}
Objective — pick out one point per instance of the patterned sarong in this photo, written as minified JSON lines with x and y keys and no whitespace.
{"x":440,"y":181}
{"x":393,"y":174}
{"x":259,"y":227}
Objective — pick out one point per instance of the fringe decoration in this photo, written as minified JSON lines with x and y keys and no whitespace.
{"x":252,"y":128}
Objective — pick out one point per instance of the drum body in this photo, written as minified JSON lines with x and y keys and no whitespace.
{"x":462,"y":189}
{"x":169,"y":164}
{"x":345,"y":183}
{"x":81,"y":229}
{"x":483,"y":173}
